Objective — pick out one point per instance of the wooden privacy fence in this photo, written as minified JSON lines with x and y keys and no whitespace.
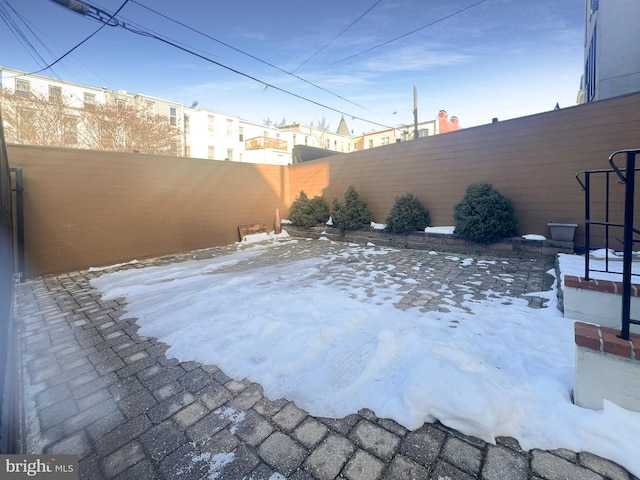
{"x":87,"y":208}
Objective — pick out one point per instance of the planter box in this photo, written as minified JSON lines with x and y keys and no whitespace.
{"x":516,"y":247}
{"x":562,"y":232}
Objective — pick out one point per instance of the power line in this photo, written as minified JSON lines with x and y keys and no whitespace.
{"x":18,"y":33}
{"x":409,"y":33}
{"x":250,"y":55}
{"x":203,"y":57}
{"x":82,"y":42}
{"x":251,"y":77}
{"x":336,"y":37}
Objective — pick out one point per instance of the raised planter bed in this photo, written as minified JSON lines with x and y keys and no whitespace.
{"x":509,"y":247}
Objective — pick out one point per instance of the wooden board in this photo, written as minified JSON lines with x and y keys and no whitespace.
{"x":250,"y":229}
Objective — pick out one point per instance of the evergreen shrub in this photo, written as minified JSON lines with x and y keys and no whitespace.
{"x":484,"y":215}
{"x":352,"y":214}
{"x":308,"y":213}
{"x":407,"y":215}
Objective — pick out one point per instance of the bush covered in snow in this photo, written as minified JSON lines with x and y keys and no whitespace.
{"x":407,"y":215}
{"x":484,"y":215}
{"x":352,"y":214}
{"x":308,"y":213}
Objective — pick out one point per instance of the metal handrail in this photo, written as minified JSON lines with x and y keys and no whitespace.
{"x":618,"y":171}
{"x":627,"y":178}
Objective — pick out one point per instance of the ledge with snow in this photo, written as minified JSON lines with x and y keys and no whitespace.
{"x":599,"y":299}
{"x":441,"y":239}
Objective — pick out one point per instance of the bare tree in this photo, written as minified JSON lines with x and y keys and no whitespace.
{"x":125,"y":128}
{"x":34,"y":119}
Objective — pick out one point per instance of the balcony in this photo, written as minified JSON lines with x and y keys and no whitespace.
{"x":260,"y":143}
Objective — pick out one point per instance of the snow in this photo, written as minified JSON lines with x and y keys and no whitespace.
{"x":448,"y":230}
{"x":109,"y":267}
{"x":574,"y":265}
{"x":333,"y":348}
{"x":262,"y":237}
{"x":533,"y":236}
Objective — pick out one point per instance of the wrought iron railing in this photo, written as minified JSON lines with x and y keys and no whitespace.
{"x":626,"y":176}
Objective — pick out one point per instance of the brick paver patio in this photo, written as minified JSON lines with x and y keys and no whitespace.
{"x":95,"y":388}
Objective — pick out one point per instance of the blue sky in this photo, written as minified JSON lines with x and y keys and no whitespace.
{"x":500,"y":58}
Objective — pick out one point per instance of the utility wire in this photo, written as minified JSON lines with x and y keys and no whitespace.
{"x":251,"y":77}
{"x":250,"y":55}
{"x":18,"y":33}
{"x":409,"y":33}
{"x":83,"y":41}
{"x":337,"y":36}
{"x":113,"y":21}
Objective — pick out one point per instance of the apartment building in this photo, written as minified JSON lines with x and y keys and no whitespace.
{"x":379,"y":138}
{"x":204,"y":133}
{"x":611,"y":49}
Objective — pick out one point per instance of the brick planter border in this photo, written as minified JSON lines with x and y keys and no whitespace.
{"x":604,"y":286}
{"x":509,"y":247}
{"x":606,"y":340}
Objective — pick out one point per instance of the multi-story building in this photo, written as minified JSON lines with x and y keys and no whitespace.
{"x":402,"y":133}
{"x":204,"y":133}
{"x":611,"y":49}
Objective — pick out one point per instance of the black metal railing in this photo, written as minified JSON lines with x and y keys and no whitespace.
{"x":626,"y":176}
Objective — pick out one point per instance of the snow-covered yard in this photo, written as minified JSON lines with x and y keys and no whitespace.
{"x":323,"y":331}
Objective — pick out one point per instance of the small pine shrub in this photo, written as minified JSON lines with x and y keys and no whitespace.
{"x":352,"y":214}
{"x":308,"y":213}
{"x":484,"y":215}
{"x":407,"y":215}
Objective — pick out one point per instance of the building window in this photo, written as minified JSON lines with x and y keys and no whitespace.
{"x":122,"y":104}
{"x":240,"y":134}
{"x":173,"y":116}
{"x":151,"y":108}
{"x":294,"y":139}
{"x":187,"y":124}
{"x":229,"y":127}
{"x":371,"y":143}
{"x":70,"y":131}
{"x":187,"y":150}
{"x":210,"y":153}
{"x":230,"y":154}
{"x":23,"y":88}
{"x":384,"y":141}
{"x":55,"y":94}
{"x":210,"y":124}
{"x":89,"y":100}
{"x":590,"y":69}
{"x":306,"y":140}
